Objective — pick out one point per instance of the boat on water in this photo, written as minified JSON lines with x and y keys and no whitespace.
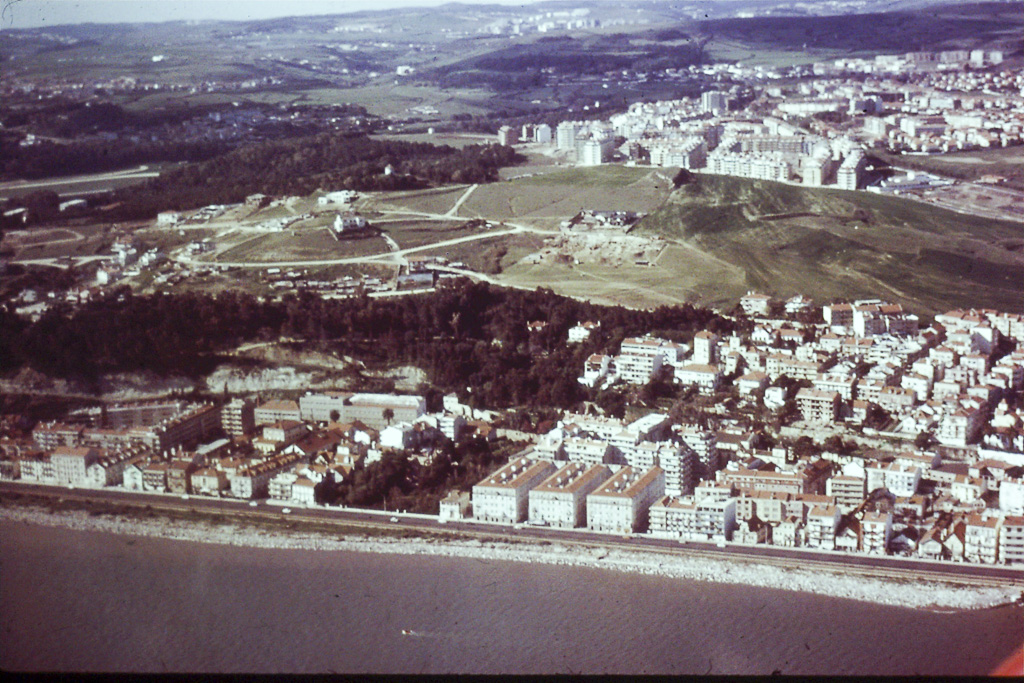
{"x":406,"y":632}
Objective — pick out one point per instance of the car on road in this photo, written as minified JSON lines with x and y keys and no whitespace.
{"x":286,"y":510}
{"x":184,"y":496}
{"x":394,"y":519}
{"x":252,"y":504}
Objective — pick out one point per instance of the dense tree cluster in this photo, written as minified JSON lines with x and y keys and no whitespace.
{"x":302,"y":165}
{"x":470,"y":338}
{"x":47,"y":159}
{"x":399,"y":482}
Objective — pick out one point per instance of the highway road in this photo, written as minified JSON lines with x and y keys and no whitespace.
{"x":867,"y":565}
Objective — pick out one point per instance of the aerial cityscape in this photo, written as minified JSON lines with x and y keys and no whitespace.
{"x":432,"y":324}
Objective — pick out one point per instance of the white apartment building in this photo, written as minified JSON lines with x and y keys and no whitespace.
{"x":209,"y":481}
{"x":372,"y":409}
{"x":921,"y":385}
{"x":843,"y":384}
{"x":560,"y":500}
{"x":319,"y":407}
{"x":565,"y":134}
{"x":1011,"y":540}
{"x":587,"y":451}
{"x":706,"y":520}
{"x":680,"y":464}
{"x":304,"y":492}
{"x":504,"y":496}
{"x":71,"y":463}
{"x":704,"y":443}
{"x":960,"y":427}
{"x":876,"y":532}
{"x":605,"y":428}
{"x":650,"y":427}
{"x":641,"y":357}
{"x":706,"y":377}
{"x":749,"y":166}
{"x":850,"y":172}
{"x":284,"y":432}
{"x":818,"y":407}
{"x":714,"y":101}
{"x":822,"y":523}
{"x":755,"y":303}
{"x":838,"y":315}
{"x":399,"y":436}
{"x":752,"y":382}
{"x":275,"y":411}
{"x":896,"y":399}
{"x":981,"y":539}
{"x":849,"y":491}
{"x":705,"y":348}
{"x":621,"y":504}
{"x":238,"y":417}
{"x":1011,"y":496}
{"x":900,"y":479}
{"x":542,"y":134}
{"x":280,"y":485}
{"x":594,"y":152}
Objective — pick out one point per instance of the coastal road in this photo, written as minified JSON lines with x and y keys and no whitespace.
{"x":870,"y":565}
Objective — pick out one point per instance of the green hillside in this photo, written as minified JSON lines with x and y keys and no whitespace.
{"x":832,"y":244}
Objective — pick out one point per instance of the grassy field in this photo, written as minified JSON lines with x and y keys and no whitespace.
{"x":391,"y":100}
{"x":435,"y":200}
{"x":562,"y":194}
{"x":673,"y":279}
{"x":491,"y":255}
{"x":166,"y":240}
{"x":450,"y":139}
{"x":831,"y":244}
{"x":419,"y":233}
{"x":310,"y":244}
{"x":90,"y":246}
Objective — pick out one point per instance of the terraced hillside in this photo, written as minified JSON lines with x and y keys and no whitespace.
{"x":832,"y":244}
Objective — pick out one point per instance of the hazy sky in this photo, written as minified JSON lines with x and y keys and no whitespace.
{"x":28,"y":13}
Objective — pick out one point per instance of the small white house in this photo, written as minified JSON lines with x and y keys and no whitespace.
{"x":399,"y":436}
{"x":350,"y":223}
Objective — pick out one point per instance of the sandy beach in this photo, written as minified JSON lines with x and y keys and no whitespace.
{"x":912,"y":593}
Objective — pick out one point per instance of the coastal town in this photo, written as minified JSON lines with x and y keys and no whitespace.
{"x":843,"y":428}
{"x":420,"y":337}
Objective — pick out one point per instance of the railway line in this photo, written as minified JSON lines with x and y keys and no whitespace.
{"x":348,"y":520}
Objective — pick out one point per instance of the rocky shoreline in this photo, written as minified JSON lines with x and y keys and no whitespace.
{"x":912,"y":593}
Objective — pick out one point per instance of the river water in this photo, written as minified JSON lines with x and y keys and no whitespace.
{"x":93,"y":601}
